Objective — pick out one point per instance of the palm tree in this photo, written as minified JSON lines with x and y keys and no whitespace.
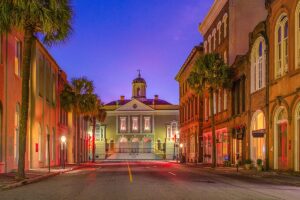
{"x":210,"y":73}
{"x":97,"y":114}
{"x":79,"y":97}
{"x":47,"y":19}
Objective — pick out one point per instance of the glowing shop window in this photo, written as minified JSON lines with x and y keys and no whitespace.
{"x":135,"y":122}
{"x":147,"y":124}
{"x":123,"y":123}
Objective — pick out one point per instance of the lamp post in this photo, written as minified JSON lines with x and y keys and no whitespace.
{"x":180,"y":152}
{"x":63,"y":140}
{"x":48,"y":151}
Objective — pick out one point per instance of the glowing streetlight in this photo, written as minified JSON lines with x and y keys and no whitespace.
{"x":63,"y":140}
{"x":181,"y":145}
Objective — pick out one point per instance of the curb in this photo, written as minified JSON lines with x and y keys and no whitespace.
{"x":38,"y":178}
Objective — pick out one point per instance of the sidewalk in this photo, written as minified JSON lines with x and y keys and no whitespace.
{"x":274,"y":177}
{"x":8,"y":181}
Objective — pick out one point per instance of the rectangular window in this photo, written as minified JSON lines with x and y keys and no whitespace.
{"x":53,"y":88}
{"x":205,"y":109}
{"x":243,"y":88}
{"x":225,"y":99}
{"x":41,"y":77}
{"x":147,"y":124}
{"x":219,"y":101}
{"x":18,"y":57}
{"x":169,"y":132}
{"x":215,"y":102}
{"x":1,"y":50}
{"x":135,"y":124}
{"x":122,"y":124}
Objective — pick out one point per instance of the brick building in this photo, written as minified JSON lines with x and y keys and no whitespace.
{"x":191,"y":112}
{"x":264,"y":53}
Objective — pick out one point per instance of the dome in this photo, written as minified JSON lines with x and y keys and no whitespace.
{"x":139,"y":79}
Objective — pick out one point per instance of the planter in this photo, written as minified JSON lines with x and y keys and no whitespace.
{"x":247,"y":166}
{"x":259,"y":168}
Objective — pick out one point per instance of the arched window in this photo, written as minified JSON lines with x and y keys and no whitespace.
{"x":205,"y":47}
{"x":138,"y":92}
{"x":209,"y":44}
{"x":297,"y":139}
{"x":281,"y":46}
{"x":258,"y":65}
{"x":17,"y":131}
{"x":214,"y":39}
{"x":219,"y":32}
{"x":280,"y":139}
{"x":225,"y":17}
{"x":297,"y":29}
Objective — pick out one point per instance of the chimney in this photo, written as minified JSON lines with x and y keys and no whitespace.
{"x":122,"y":98}
{"x":156,"y":97}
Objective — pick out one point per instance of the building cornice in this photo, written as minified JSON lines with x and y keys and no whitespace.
{"x":187,"y":61}
{"x":211,"y":16}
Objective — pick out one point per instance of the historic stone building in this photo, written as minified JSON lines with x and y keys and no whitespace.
{"x":191,"y":112}
{"x":138,"y":128}
{"x":226,"y":31}
{"x":283,"y":29}
{"x":260,"y":116}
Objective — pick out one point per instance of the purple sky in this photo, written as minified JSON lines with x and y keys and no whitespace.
{"x":114,"y":38}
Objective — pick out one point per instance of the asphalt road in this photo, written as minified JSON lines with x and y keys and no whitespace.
{"x":149,"y":180}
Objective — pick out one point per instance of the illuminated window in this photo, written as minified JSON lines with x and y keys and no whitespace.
{"x":123,"y":124}
{"x":147,"y":124}
{"x":18,"y":57}
{"x":258,"y":65}
{"x":225,"y":99}
{"x":281,"y":46}
{"x":135,"y":124}
{"x":205,"y":109}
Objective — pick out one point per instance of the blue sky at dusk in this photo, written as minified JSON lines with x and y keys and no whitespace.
{"x":114,"y":38}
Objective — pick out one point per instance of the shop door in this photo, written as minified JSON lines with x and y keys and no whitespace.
{"x":282,"y":145}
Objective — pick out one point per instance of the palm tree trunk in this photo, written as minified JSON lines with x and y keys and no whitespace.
{"x":26,"y":71}
{"x":93,"y":139}
{"x":78,"y":139}
{"x":213,"y":128}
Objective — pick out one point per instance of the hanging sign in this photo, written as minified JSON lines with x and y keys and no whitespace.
{"x":259,"y":133}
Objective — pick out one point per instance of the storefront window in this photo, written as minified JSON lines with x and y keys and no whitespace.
{"x":222,"y":146}
{"x":207,"y":147}
{"x":258,"y":148}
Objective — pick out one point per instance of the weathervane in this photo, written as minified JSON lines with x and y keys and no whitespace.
{"x":139,"y":71}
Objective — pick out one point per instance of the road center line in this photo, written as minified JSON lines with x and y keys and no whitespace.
{"x":172,"y":173}
{"x":129,"y":173}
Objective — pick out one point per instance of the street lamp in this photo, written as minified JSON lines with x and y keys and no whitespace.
{"x":180,"y":152}
{"x":63,"y":140}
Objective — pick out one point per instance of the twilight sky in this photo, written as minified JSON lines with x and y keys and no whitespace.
{"x":114,"y":38}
